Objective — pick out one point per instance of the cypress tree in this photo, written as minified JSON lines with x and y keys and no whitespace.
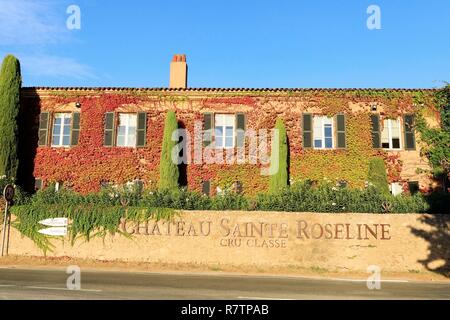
{"x":10,"y":84}
{"x":279,"y":160}
{"x":168,"y":169}
{"x":377,"y":174}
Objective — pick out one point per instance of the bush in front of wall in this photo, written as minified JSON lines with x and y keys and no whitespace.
{"x":327,"y":197}
{"x":377,"y":175}
{"x":300,"y":197}
{"x":176,"y":199}
{"x":230,"y":201}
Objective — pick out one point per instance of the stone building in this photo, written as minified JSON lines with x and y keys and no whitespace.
{"x":87,"y":137}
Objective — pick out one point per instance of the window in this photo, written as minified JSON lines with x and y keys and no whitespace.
{"x":413,"y":187}
{"x":390,"y":136}
{"x":61,"y":129}
{"x":126,"y":131}
{"x":224,"y":130}
{"x":323,"y":132}
{"x":396,"y":188}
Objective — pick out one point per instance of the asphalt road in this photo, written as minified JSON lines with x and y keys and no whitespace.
{"x":51,"y":284}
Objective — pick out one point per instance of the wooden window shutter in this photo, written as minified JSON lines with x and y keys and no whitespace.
{"x":340,"y":130}
{"x":410,"y":140}
{"x":44,"y":125}
{"x":376,"y":134}
{"x":38,"y":184}
{"x":141,"y":131}
{"x":109,"y":129}
{"x":240,"y":130}
{"x":208,"y":125}
{"x":206,"y":187}
{"x":75,"y":134}
{"x":307,"y":130}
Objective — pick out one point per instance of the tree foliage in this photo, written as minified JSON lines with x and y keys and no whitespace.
{"x":437,"y":140}
{"x":10,"y":84}
{"x":377,"y":175}
{"x":279,"y":159}
{"x":168,"y":169}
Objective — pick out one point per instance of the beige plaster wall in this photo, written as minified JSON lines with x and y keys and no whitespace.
{"x":337,"y":242}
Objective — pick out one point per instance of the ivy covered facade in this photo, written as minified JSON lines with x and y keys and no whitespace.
{"x":88,"y":137}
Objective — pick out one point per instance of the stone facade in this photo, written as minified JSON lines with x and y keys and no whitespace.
{"x":87,"y":164}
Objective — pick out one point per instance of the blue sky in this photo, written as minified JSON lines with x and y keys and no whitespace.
{"x":296,"y":43}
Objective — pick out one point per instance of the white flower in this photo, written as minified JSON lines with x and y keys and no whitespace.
{"x":151,"y":192}
{"x":334,"y":203}
{"x":334,"y":189}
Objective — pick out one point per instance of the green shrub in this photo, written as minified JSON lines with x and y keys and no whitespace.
{"x":377,"y":175}
{"x":300,"y":197}
{"x":108,"y":196}
{"x":176,"y":199}
{"x":229,"y":201}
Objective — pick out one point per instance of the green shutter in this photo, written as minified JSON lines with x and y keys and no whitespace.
{"x":410,"y":141}
{"x":307,"y":130}
{"x":206,"y":187}
{"x":340,"y":130}
{"x":141,"y":131}
{"x":376,"y":134}
{"x":208,"y":124}
{"x":44,"y":121}
{"x":75,"y":134}
{"x":37,"y":184}
{"x":240,"y":130}
{"x":109,"y":129}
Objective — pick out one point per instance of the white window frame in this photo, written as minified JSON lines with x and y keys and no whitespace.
{"x":62,"y":116}
{"x":322,"y":128}
{"x":127,"y":130}
{"x":224,"y":136}
{"x":389,"y":129}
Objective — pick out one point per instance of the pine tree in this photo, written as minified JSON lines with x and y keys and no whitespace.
{"x":10,"y":84}
{"x":279,"y":160}
{"x":377,"y":174}
{"x":168,"y":169}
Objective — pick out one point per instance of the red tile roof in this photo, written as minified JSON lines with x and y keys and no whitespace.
{"x":223,"y":89}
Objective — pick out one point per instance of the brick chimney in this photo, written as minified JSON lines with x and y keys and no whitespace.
{"x":178,"y":71}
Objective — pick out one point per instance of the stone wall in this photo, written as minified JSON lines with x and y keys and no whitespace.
{"x":335,"y":242}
